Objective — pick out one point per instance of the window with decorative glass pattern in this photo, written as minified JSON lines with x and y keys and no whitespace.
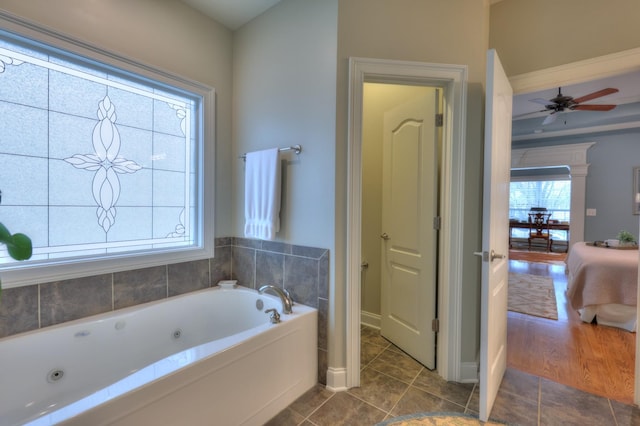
{"x":98,"y":161}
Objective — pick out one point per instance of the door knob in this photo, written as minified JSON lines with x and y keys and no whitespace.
{"x":384,"y":236}
{"x":488,"y":257}
{"x":495,"y":256}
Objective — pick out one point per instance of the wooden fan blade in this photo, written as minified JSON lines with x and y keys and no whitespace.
{"x":593,"y":107}
{"x":598,"y":94}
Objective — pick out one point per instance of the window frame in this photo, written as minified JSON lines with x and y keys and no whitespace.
{"x":16,"y":274}
{"x":540,"y":178}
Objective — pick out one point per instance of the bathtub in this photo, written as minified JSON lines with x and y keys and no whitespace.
{"x":204,"y":358}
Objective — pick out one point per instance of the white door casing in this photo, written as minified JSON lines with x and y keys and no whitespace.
{"x":452,"y":78}
{"x":495,"y":216}
{"x":409,"y":206}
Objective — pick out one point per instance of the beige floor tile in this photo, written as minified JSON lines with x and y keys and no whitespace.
{"x":379,"y":389}
{"x":397,"y":365}
{"x":344,"y":409}
{"x":312,"y":399}
{"x":431,"y":382}
{"x":419,"y":401}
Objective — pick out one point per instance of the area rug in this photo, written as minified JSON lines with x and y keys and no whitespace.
{"x":532,"y":295}
{"x":437,"y":419}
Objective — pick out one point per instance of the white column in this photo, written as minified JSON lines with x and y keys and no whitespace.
{"x":578,"y":204}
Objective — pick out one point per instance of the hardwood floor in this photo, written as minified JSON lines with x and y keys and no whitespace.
{"x":597,"y":359}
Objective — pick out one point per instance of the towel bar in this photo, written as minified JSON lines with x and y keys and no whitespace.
{"x":296,"y":148}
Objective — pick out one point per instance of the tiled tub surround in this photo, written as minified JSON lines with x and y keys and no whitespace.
{"x":181,"y":360}
{"x":304,"y":271}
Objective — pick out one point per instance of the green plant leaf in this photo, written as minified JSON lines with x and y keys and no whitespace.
{"x":626,"y":236}
{"x":18,"y":245}
{"x":5,"y":235}
{"x":21,"y":248}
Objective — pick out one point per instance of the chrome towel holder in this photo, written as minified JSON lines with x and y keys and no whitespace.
{"x":296,"y":148}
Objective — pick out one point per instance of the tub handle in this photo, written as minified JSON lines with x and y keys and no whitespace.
{"x":274,"y":317}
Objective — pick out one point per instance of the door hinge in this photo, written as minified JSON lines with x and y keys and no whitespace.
{"x":435,"y":325}
{"x":437,"y":223}
{"x":439,"y":120}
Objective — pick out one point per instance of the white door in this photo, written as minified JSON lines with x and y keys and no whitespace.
{"x":409,"y":205}
{"x":495,"y":239}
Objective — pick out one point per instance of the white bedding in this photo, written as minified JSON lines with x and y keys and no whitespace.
{"x":602,"y":284}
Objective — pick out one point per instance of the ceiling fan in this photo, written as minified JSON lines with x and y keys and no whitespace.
{"x":561,"y":103}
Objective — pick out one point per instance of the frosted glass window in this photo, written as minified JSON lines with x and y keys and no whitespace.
{"x":96,"y":160}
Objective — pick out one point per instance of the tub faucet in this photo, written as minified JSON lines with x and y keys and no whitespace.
{"x":274,"y":317}
{"x":284,"y":295}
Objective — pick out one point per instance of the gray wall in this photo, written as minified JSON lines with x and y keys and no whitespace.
{"x":609,"y":183}
{"x":284,"y":67}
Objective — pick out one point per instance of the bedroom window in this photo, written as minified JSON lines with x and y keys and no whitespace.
{"x":555,"y":195}
{"x":101,"y":161}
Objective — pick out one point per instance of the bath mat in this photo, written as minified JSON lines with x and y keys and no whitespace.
{"x":437,"y":419}
{"x":532,"y":295}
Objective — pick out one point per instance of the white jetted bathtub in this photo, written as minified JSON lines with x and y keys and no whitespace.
{"x":210,"y":357}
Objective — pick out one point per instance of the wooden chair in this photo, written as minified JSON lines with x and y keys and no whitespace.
{"x":539,"y":228}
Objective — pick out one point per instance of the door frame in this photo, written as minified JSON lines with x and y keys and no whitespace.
{"x":453,"y":80}
{"x":578,"y":72}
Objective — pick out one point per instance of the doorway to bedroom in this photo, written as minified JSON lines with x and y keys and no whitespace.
{"x":593,"y":358}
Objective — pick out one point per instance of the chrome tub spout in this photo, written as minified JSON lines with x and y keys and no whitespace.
{"x":284,"y":295}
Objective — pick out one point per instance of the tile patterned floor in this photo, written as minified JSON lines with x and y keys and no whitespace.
{"x":393,"y":384}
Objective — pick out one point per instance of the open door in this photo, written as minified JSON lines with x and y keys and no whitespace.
{"x":409,"y":238}
{"x":495,"y":239}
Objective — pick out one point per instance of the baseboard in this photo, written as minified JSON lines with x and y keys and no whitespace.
{"x":337,"y":379}
{"x":469,"y":372}
{"x":369,"y":319}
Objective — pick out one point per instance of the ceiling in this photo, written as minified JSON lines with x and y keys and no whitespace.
{"x":231,"y":13}
{"x":627,"y":84}
{"x":528,"y":119}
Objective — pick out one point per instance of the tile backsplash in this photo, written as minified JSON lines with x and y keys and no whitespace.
{"x":303,"y":271}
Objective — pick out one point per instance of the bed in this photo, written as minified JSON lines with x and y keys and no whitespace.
{"x":602,"y":284}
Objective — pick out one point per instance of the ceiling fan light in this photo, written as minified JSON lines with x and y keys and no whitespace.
{"x":550,"y":119}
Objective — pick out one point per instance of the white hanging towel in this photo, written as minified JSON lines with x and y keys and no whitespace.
{"x":262,"y":194}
